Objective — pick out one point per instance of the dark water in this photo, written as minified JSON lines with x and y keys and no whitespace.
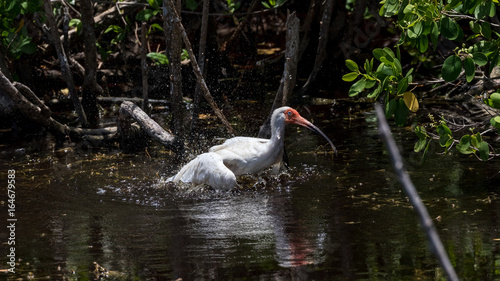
{"x":329,"y":218}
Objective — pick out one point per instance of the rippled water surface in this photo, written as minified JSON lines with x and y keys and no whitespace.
{"x":327,"y":218}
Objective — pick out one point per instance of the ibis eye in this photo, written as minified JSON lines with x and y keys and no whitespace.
{"x":289,"y":113}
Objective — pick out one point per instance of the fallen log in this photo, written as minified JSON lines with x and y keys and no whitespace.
{"x":129,"y":111}
{"x":27,"y":104}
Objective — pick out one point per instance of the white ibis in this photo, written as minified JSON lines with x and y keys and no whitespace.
{"x":219,"y":167}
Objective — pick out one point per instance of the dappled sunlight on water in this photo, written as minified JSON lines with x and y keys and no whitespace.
{"x":326,"y":217}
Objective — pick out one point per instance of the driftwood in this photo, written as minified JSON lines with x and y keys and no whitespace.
{"x":289,"y":74}
{"x":436,"y":245}
{"x":206,"y":93}
{"x":130,"y":133}
{"x":64,"y":62}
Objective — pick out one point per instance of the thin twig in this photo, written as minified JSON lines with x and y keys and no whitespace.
{"x":455,"y":14}
{"x":196,"y":67}
{"x":436,"y":246}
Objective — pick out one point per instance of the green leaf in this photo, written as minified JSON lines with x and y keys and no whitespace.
{"x":470,"y":69}
{"x":378,"y":53}
{"x":445,"y":138}
{"x":420,"y":145}
{"x":402,"y":85}
{"x":368,"y":66}
{"x":418,"y":28}
{"x":390,"y":108}
{"x":386,"y":61}
{"x":357,"y":87}
{"x":495,"y":122}
{"x":375,"y":93}
{"x":476,"y":140}
{"x":442,"y":129}
{"x":77,"y":23}
{"x":154,"y":4}
{"x":398,"y":68}
{"x":191,"y":4}
{"x":370,"y":83}
{"x":480,"y":58}
{"x":475,"y":26}
{"x":453,"y":4}
{"x":390,"y":8}
{"x":420,"y":132}
{"x":464,"y":146}
{"x":156,"y":26}
{"x":484,"y":151}
{"x":493,"y":9}
{"x":158,"y":58}
{"x":408,"y":9}
{"x":401,"y":112}
{"x":28,"y":48}
{"x":449,"y":28}
{"x":144,"y":15}
{"x":349,"y":77}
{"x":422,"y":43}
{"x":486,"y":29}
{"x":390,"y":54}
{"x":353,"y":66}
{"x":494,"y":100}
{"x":451,"y":68}
{"x":481,"y":11}
{"x":434,"y":35}
{"x":411,"y":34}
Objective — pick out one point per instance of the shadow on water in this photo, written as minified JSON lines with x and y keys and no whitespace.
{"x":341,"y":218}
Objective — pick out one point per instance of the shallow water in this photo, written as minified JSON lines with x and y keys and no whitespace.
{"x":340,"y":218}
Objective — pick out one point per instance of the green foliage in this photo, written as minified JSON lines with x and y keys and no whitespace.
{"x":162,"y":59}
{"x":120,"y":32}
{"x":233,"y":5}
{"x":272,"y":3}
{"x":471,"y":143}
{"x":158,"y":58}
{"x":14,"y":34}
{"x":384,"y":78}
{"x":191,"y":4}
{"x":77,"y":23}
{"x":421,"y":24}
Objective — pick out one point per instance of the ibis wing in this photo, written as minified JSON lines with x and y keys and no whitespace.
{"x":207,"y":168}
{"x":237,"y":142}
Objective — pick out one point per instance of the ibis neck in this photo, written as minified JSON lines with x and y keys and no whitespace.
{"x":277,"y":135}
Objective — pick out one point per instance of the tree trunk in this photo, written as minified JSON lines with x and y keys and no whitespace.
{"x":289,"y":73}
{"x":175,"y":73}
{"x":196,"y":68}
{"x":306,"y":27}
{"x":56,"y":40}
{"x":90,"y":86}
{"x":322,"y":42}
{"x":201,"y":59}
{"x":144,"y":69}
